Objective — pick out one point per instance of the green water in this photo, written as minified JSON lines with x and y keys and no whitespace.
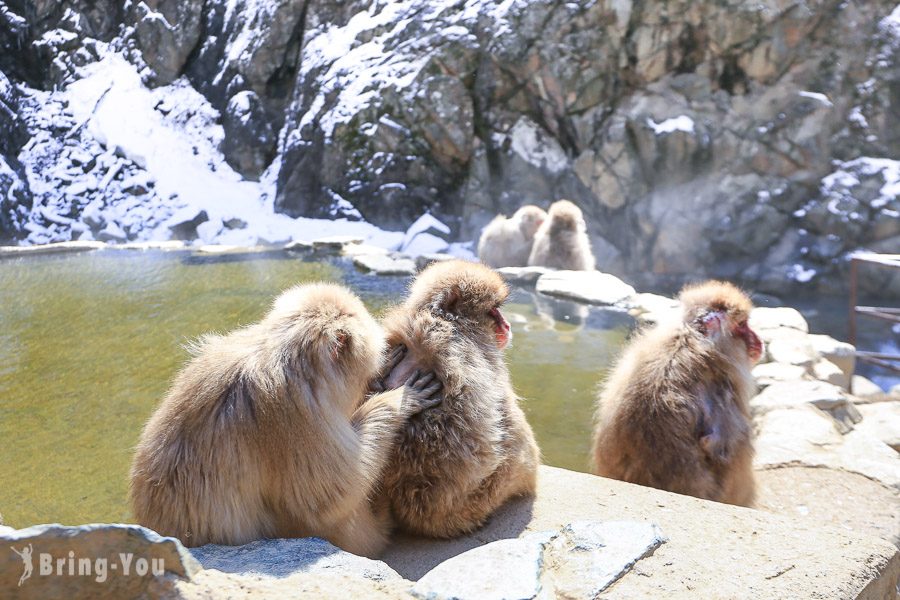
{"x":89,"y":343}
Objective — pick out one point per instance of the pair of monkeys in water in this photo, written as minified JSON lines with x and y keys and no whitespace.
{"x":556,"y":239}
{"x":274,"y":430}
{"x":271,"y":431}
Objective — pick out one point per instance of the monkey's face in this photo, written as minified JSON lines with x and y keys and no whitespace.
{"x":530,"y":219}
{"x":731,"y":332}
{"x":502,"y":330}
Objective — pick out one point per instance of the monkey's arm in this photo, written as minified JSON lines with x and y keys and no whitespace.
{"x":378,"y":384}
{"x":711,"y":426}
{"x":378,"y":420}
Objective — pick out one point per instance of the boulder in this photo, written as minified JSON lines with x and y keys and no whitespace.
{"x":774,"y":318}
{"x":839,"y":353}
{"x":184,"y":223}
{"x":792,"y":351}
{"x":117,"y":561}
{"x":819,"y":496}
{"x":284,"y":557}
{"x":381,"y":264}
{"x":806,"y":435}
{"x":249,"y":144}
{"x":768,"y":373}
{"x":166,"y":32}
{"x":789,"y":394}
{"x":579,"y":561}
{"x":352,"y":250}
{"x":757,"y":554}
{"x":523,"y":275}
{"x":653,"y":308}
{"x":864,"y":388}
{"x":591,"y":287}
{"x":423,"y":260}
{"x":827,"y":371}
{"x":881,"y":420}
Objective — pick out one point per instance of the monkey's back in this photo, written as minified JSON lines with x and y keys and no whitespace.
{"x":566,"y":250}
{"x":649,"y":419}
{"x":458,"y":462}
{"x":502,"y":244}
{"x":207,"y":466}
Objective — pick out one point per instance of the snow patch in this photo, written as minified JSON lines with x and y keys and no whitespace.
{"x":536,"y":147}
{"x":682,"y":123}
{"x":171,"y":136}
{"x":799,"y":274}
{"x":817,"y":96}
{"x":847,"y":176}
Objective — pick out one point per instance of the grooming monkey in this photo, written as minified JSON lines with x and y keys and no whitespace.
{"x":507,"y":242}
{"x":263,"y":433}
{"x":457,"y":463}
{"x":674,"y":414}
{"x":562,"y":241}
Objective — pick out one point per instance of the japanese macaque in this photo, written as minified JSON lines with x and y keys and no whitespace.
{"x":457,"y":463}
{"x":674,"y":414}
{"x":562,"y":241}
{"x":507,"y":242}
{"x":264,"y":433}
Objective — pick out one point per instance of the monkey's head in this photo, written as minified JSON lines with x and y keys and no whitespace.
{"x":720,"y":311}
{"x":326,"y":330}
{"x":530,"y":217}
{"x":565,"y":216}
{"x":468,"y":294}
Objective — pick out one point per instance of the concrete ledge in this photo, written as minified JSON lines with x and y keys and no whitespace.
{"x":713,"y":550}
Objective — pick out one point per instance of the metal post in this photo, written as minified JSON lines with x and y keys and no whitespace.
{"x":852,"y":320}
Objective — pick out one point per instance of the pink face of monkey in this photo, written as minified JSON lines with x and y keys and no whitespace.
{"x":502,"y":330}
{"x":716,"y":322}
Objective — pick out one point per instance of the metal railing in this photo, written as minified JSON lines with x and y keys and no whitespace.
{"x":892,"y":261}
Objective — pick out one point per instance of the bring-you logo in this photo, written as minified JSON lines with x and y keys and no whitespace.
{"x":96,"y":568}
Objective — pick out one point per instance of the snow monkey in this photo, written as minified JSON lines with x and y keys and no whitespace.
{"x":457,"y":463}
{"x":507,"y":242}
{"x":263,"y":433}
{"x":562,"y":240}
{"x":674,"y":413}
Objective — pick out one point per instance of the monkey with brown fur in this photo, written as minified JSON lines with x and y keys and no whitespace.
{"x":562,"y":241}
{"x":674,"y":414}
{"x":507,"y":242}
{"x":263,"y":434}
{"x":457,"y":463}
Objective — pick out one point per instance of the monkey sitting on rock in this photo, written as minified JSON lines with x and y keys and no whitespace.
{"x":455,"y":464}
{"x":507,"y":242}
{"x":265,"y":434}
{"x":562,"y":241}
{"x":674,"y":414}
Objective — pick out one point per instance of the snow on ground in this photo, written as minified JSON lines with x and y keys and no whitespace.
{"x":816,"y":96}
{"x":682,"y":123}
{"x":169,"y":139}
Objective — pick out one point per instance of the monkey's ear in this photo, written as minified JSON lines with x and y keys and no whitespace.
{"x":339,"y":342}
{"x":447,"y":301}
{"x":711,"y":322}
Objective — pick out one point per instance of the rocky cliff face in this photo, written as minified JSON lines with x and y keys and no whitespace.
{"x":750,"y":140}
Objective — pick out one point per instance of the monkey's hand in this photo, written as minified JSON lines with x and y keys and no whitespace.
{"x":377,"y":385}
{"x":714,"y":447}
{"x":421,"y":392}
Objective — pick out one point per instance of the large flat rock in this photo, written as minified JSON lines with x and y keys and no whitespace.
{"x":713,"y":550}
{"x":591,"y":287}
{"x":827,"y":496}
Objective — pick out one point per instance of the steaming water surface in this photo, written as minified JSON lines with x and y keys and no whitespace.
{"x":89,"y":343}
